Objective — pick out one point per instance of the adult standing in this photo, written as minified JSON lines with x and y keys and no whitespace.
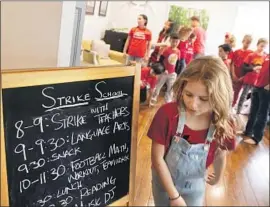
{"x":199,"y":44}
{"x":138,"y":43}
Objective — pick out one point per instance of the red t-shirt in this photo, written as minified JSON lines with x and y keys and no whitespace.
{"x":227,"y":62}
{"x":263,"y":77}
{"x":199,"y":44}
{"x":189,"y":53}
{"x":164,"y":126}
{"x":238,"y":60}
{"x":138,"y":41}
{"x":253,"y":59}
{"x":170,"y":59}
{"x":147,"y":78}
{"x":182,"y":46}
{"x":230,"y":55}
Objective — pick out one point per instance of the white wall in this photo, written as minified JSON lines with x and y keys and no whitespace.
{"x":124,"y":15}
{"x":30,"y":34}
{"x":252,"y":18}
{"x":95,"y":25}
{"x":66,"y":32}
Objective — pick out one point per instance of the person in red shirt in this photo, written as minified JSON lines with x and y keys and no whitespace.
{"x":230,"y":40}
{"x":192,"y":133}
{"x":190,"y":52}
{"x":184,"y":33}
{"x":169,"y":58}
{"x":223,"y":52}
{"x":138,"y":43}
{"x":199,"y":44}
{"x":236,"y":67}
{"x":163,"y":41}
{"x":149,"y":76}
{"x":252,"y":65}
{"x":260,"y":100}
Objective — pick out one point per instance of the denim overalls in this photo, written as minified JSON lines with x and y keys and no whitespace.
{"x":187,"y":165}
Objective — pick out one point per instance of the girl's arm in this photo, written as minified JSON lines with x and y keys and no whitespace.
{"x":148,"y":50}
{"x":126,"y":45}
{"x":161,"y":44}
{"x":166,"y":43}
{"x":159,"y":164}
{"x":219,"y":165}
{"x":234,"y":77}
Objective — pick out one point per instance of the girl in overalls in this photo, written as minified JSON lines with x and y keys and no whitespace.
{"x":192,"y":133}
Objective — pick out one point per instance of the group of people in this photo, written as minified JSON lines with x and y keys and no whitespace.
{"x":174,"y":49}
{"x":196,"y":126}
{"x":250,"y":74}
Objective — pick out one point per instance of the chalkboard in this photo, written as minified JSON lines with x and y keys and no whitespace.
{"x":68,"y":144}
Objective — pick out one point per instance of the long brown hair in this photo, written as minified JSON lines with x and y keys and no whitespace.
{"x":212,"y":72}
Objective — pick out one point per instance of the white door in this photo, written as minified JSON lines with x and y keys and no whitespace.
{"x":77,"y":33}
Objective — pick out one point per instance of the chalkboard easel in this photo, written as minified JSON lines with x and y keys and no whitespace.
{"x":69,"y":136}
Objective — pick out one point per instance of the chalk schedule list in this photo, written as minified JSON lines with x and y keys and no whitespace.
{"x":68,"y":144}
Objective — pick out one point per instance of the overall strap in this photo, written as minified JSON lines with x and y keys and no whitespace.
{"x":181,"y":122}
{"x":210,"y":134}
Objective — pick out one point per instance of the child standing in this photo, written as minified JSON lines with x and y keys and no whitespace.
{"x":260,"y":100}
{"x":170,"y":58}
{"x":149,"y":76}
{"x":199,"y":43}
{"x":251,"y":68}
{"x":184,"y":33}
{"x":190,"y":134}
{"x":138,"y":43}
{"x":223,"y":53}
{"x":230,"y":40}
{"x":190,"y":51}
{"x":236,"y":67}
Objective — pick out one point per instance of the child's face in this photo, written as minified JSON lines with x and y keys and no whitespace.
{"x":167,"y":25}
{"x":196,"y":98}
{"x":174,"y":43}
{"x":140,"y":21}
{"x":194,"y":23}
{"x":221,"y":53}
{"x":246,"y":43}
{"x":261,"y":47}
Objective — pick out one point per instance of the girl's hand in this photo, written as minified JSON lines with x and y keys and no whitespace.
{"x":212,"y":179}
{"x":166,"y":72}
{"x":146,"y":58}
{"x":178,"y":202}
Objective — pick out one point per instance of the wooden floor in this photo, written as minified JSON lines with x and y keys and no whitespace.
{"x":246,"y":181}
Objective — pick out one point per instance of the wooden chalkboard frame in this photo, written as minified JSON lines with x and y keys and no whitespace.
{"x":41,"y":76}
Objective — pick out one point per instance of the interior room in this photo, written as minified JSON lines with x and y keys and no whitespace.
{"x":79,"y":103}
